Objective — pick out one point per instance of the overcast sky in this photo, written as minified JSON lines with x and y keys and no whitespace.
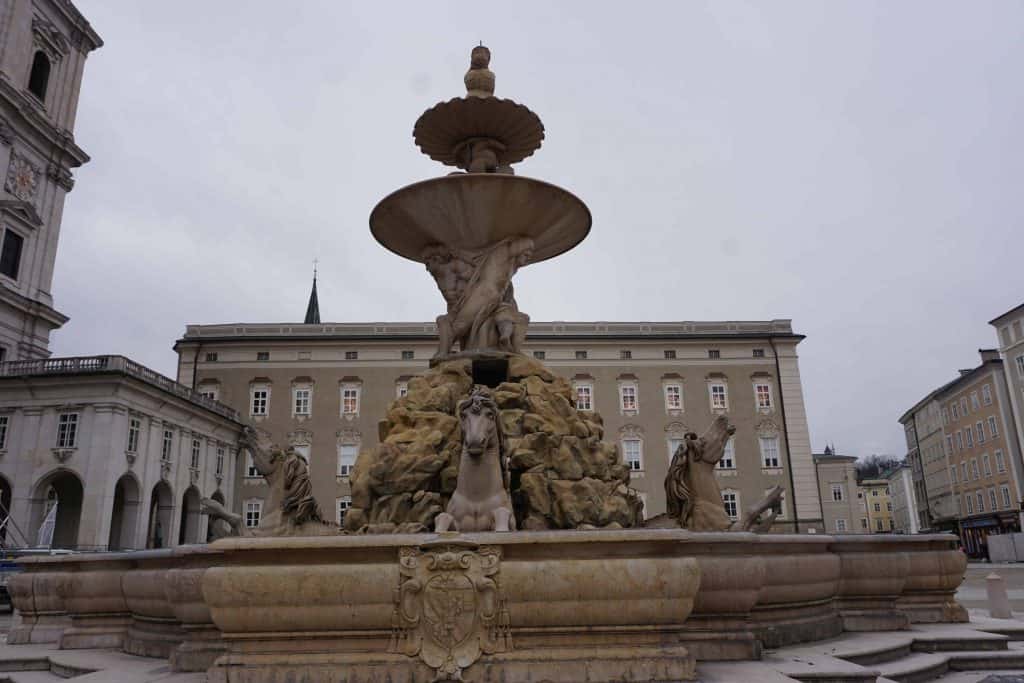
{"x":853,"y":166}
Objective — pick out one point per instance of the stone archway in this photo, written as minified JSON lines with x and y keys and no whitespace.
{"x":63,"y":489}
{"x":124,"y":519}
{"x":160,"y":508}
{"x":191,"y":517}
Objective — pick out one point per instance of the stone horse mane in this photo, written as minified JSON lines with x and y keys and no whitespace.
{"x":298,"y":502}
{"x":678,"y":496}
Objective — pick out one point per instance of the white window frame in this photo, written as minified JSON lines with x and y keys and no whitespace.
{"x":979,"y":432}
{"x":963,"y":406}
{"x":1005,"y":491}
{"x":67,"y":429}
{"x":250,"y":467}
{"x":629,"y":393}
{"x":735,"y":502}
{"x":986,"y":465}
{"x":259,"y":400}
{"x":986,"y":395}
{"x":401,"y":389}
{"x":980,"y":500}
{"x":952,"y":474}
{"x":959,"y":440}
{"x":252,"y":512}
{"x":673,"y":392}
{"x":1000,"y":461}
{"x":840,"y":525}
{"x":302,"y":397}
{"x":955,"y":409}
{"x":993,"y":427}
{"x":975,"y":403}
{"x":167,"y":445}
{"x":993,"y":500}
{"x":584,"y":390}
{"x":635,"y":465}
{"x":759,"y":405}
{"x":134,"y":434}
{"x":210,"y":391}
{"x":969,"y":437}
{"x":770,"y":460}
{"x":673,"y":443}
{"x":342,"y":504}
{"x":345,"y":468}
{"x":194,"y":456}
{"x":838,"y":493}
{"x":970,"y":503}
{"x":219,"y":471}
{"x":975,"y":472}
{"x":728,"y":460}
{"x":5,"y":423}
{"x":722,"y":404}
{"x":1020,"y":366}
{"x":352,"y":393}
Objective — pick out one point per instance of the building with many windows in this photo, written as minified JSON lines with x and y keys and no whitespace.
{"x":43,"y":48}
{"x":842,"y":501}
{"x":905,"y":515}
{"x":923,"y":428}
{"x":1010,"y":332}
{"x":323,"y":387}
{"x":984,"y":462}
{"x":123,"y":453}
{"x":878,"y":505}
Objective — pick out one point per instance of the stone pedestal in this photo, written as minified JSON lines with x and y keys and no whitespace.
{"x":40,"y":617}
{"x":874,"y":574}
{"x":95,"y":602}
{"x":201,"y":643}
{"x":154,"y":630}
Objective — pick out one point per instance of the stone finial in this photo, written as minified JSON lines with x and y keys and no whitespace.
{"x":479,"y":79}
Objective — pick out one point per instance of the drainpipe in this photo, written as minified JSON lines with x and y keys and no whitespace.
{"x":924,"y":478}
{"x":785,"y":437}
{"x":195,"y":365}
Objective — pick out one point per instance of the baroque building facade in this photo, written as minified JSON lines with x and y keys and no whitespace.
{"x":323,"y":387}
{"x":842,"y":501}
{"x":43,"y":48}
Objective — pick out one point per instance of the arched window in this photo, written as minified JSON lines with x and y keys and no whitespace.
{"x":39,"y":76}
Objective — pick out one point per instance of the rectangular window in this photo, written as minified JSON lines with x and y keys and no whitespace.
{"x":840,"y":525}
{"x":1000,"y":462}
{"x":196,"y":449}
{"x":208,"y":392}
{"x":874,"y":493}
{"x":963,"y":406}
{"x":949,"y":444}
{"x":993,"y":502}
{"x":980,"y":501}
{"x":952,"y":474}
{"x":631,"y":454}
{"x":625,"y":354}
{"x":581,"y":355}
{"x":979,"y":432}
{"x":351,"y":355}
{"x":878,"y":525}
{"x":67,"y":430}
{"x":673,"y":397}
{"x":1005,"y":490}
{"x":970,"y":503}
{"x":1020,"y":366}
{"x":259,"y":402}
{"x":211,"y":358}
{"x":974,"y":401}
{"x":963,"y":472}
{"x":220,"y":461}
{"x":878,"y":507}
{"x":10,"y":254}
{"x":758,"y":353}
{"x":4,"y":421}
{"x":731,"y":507}
{"x":627,"y":396}
{"x":302,"y":400}
{"x":714,"y":354}
{"x":959,"y":440}
{"x":263,"y":355}
{"x":837,"y":492}
{"x":968,"y":438}
{"x":253,"y":510}
{"x":974,"y":469}
{"x":347,"y":459}
{"x":719,"y":398}
{"x":250,"y":467}
{"x":764,"y":396}
{"x":401,"y":389}
{"x":986,"y":395}
{"x":344,"y":503}
{"x":769,"y":452}
{"x":863,"y":522}
{"x":584,"y":397}
{"x":167,"y":447}
{"x":539,"y":355}
{"x":993,"y":430}
{"x":956,"y":411}
{"x":350,"y":400}
{"x":728,"y":461}
{"x":986,"y":465}
{"x":670,"y":354}
{"x":888,"y":506}
{"x":408,"y":355}
{"x":673,"y":446}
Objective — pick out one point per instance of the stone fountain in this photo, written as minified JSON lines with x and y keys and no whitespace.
{"x":493,"y":534}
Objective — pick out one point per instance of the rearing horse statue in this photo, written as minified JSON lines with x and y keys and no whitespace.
{"x":481,"y":501}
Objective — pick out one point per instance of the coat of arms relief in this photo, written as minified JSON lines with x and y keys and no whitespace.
{"x":449,"y":608}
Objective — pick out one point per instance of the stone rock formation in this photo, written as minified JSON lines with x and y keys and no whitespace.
{"x":562,"y":475}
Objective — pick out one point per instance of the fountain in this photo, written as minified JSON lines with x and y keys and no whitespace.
{"x":493,"y":534}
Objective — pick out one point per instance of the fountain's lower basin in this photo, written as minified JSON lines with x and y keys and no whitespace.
{"x":622,"y":605}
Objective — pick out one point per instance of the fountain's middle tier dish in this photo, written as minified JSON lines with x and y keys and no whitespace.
{"x":474,"y":210}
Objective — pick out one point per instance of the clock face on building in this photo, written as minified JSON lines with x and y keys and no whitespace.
{"x":21,"y":178}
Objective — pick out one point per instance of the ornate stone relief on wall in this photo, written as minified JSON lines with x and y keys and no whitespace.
{"x":22,"y":178}
{"x":449,"y":608}
{"x":767,"y":427}
{"x":49,"y":39}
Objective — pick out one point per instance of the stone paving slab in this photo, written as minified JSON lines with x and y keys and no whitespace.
{"x":108,"y":666}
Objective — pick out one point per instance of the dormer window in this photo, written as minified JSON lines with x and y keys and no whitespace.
{"x":39,"y":77}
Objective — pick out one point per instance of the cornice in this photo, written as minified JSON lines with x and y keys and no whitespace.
{"x":33,"y":115}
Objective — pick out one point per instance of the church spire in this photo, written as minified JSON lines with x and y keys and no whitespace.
{"x":313,"y":308}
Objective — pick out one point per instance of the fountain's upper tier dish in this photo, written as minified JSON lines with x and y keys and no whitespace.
{"x":443,"y":130}
{"x":472,"y":211}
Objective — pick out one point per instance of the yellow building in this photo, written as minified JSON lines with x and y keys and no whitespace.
{"x":878,"y":505}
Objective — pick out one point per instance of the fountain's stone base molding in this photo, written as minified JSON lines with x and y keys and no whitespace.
{"x":603,"y":605}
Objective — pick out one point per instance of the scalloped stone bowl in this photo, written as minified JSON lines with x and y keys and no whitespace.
{"x":474,"y":210}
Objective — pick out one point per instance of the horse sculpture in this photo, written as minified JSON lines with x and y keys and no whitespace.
{"x":290,"y":509}
{"x":481,"y":501}
{"x":693,"y":497}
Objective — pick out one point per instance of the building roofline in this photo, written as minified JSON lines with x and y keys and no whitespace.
{"x":970,"y":376}
{"x":78,"y":20}
{"x":928,"y":397}
{"x":844,"y":458}
{"x":1015,"y":309}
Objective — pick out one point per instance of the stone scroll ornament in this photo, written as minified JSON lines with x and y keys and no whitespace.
{"x":694,"y":499}
{"x":449,"y":608}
